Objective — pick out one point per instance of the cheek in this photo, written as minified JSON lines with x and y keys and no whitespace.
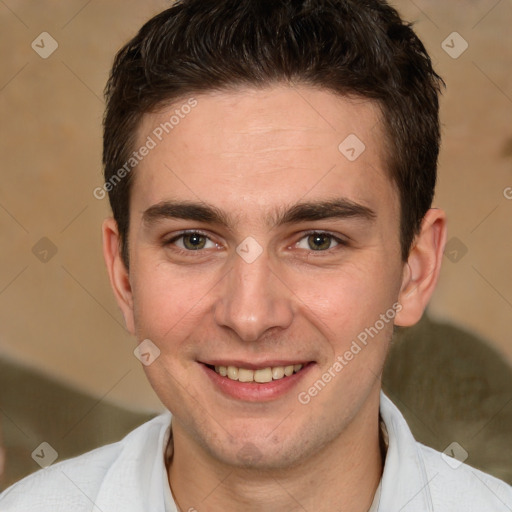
{"x":167,"y":303}
{"x":347,"y":301}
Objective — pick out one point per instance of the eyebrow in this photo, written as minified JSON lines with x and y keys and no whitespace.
{"x":339,"y":208}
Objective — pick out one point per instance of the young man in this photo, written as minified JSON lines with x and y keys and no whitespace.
{"x":271,"y":166}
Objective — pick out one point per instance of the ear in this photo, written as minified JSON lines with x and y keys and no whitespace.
{"x":421,"y":271}
{"x":117,"y":271}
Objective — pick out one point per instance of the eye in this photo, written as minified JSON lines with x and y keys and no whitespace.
{"x":192,"y":241}
{"x":319,"y":242}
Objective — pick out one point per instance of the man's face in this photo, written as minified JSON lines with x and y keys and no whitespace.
{"x":265,"y":283}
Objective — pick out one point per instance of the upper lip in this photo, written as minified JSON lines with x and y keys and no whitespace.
{"x":253,"y":365}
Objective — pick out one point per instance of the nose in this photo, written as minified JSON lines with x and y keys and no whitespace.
{"x":253,"y":299}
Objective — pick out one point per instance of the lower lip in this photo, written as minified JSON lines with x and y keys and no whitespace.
{"x":254,"y":391}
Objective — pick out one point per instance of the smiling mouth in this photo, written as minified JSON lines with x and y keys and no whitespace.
{"x":260,"y":376}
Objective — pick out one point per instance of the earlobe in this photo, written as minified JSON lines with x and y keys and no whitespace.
{"x":421,"y":271}
{"x":118,"y":274}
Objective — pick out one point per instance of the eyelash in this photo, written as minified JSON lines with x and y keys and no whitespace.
{"x":341,"y":242}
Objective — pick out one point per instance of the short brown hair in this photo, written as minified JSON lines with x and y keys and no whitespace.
{"x":350,"y":47}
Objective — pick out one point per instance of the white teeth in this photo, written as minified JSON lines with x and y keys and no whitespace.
{"x":262,"y":375}
{"x":232,"y":372}
{"x":288,"y":370}
{"x":277,"y":372}
{"x":245,"y":375}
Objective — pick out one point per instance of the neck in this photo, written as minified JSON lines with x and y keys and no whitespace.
{"x":343,"y":475}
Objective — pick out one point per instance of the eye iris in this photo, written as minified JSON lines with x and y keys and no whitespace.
{"x":319,"y":241}
{"x":194,"y":241}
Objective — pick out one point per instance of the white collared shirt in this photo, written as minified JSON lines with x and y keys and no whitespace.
{"x":130,"y":476}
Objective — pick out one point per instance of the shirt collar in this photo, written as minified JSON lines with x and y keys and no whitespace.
{"x":404,"y":485}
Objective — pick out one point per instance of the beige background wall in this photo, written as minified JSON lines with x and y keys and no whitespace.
{"x":60,"y":315}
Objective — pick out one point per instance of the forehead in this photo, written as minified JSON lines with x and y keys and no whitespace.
{"x":256,"y":149}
